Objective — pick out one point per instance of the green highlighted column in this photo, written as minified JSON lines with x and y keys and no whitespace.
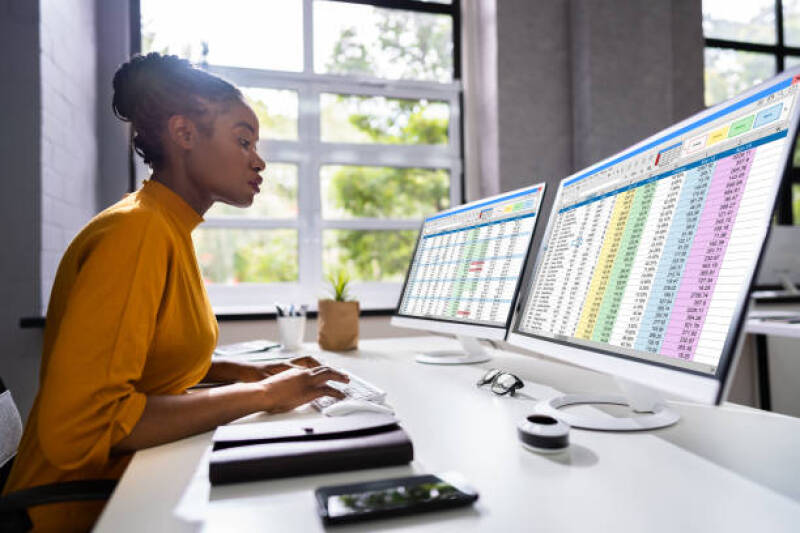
{"x":470,"y":250}
{"x":618,"y":280}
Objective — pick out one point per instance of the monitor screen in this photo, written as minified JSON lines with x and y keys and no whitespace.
{"x":649,"y":254}
{"x":468,"y":261}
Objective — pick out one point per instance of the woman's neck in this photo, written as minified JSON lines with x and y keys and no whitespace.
{"x":180,"y":183}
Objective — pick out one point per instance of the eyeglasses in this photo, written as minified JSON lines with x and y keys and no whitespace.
{"x":502,"y":382}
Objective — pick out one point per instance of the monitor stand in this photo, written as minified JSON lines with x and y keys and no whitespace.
{"x":650,"y":412}
{"x":473,"y":352}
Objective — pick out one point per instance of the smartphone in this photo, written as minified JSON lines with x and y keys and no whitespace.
{"x":340,"y":504}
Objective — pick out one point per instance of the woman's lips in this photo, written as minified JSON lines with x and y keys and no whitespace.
{"x":255,"y":186}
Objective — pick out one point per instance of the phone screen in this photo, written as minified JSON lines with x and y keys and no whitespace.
{"x":395,"y":496}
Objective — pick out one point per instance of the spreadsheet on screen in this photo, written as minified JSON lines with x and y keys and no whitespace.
{"x":468,"y":261}
{"x":648,"y":254}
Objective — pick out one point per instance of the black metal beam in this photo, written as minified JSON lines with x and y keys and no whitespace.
{"x":762,"y":370}
{"x":135,"y":25}
{"x":408,"y":5}
{"x":779,"y":34}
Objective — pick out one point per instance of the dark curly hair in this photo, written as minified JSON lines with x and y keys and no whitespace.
{"x":149,"y":89}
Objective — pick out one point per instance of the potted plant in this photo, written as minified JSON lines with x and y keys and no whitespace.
{"x":338,"y":316}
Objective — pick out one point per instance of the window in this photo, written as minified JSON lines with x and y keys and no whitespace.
{"x":360,"y":113}
{"x":746,"y":43}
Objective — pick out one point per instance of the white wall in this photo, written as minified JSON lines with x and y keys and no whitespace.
{"x":69,"y":134}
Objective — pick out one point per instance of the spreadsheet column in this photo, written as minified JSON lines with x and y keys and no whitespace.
{"x":413,"y":285}
{"x":645,"y":263}
{"x":658,"y":228}
{"x":503,"y":297}
{"x":673,"y":259}
{"x":567,"y":251}
{"x":476,"y":248}
{"x":436,"y":257}
{"x":598,"y":214}
{"x":489,"y":269}
{"x":741,"y":250}
{"x":429,"y":273}
{"x":440,"y":285}
{"x":705,"y":256}
{"x":605,"y":260}
{"x":423,"y":274}
{"x":620,"y":272}
{"x":539,"y":303}
{"x":574,"y":272}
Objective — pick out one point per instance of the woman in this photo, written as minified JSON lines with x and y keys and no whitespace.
{"x":129,"y":325}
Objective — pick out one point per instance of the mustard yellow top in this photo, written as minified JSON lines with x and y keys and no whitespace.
{"x":128,"y":316}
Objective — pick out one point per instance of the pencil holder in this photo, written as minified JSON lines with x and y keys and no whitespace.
{"x":291,"y":330}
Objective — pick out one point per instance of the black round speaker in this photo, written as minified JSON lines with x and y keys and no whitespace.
{"x":543,"y":434}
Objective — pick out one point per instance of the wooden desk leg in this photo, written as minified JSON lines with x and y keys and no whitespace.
{"x":762,"y":369}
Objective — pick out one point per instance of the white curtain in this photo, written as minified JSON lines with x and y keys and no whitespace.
{"x":479,"y":78}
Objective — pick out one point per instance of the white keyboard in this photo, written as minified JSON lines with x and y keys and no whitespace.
{"x":357,"y":389}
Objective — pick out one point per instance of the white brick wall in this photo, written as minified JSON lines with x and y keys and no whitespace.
{"x":69,"y":127}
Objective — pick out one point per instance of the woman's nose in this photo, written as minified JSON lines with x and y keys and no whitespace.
{"x":259,"y":164}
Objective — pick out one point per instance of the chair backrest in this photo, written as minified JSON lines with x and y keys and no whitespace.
{"x":10,"y":432}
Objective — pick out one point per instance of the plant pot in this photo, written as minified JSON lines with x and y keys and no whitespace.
{"x":338,"y":325}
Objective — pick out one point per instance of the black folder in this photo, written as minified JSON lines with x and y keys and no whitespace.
{"x":267,"y":450}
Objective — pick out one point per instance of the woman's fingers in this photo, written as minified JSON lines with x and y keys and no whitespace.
{"x":327,"y":390}
{"x":322,"y":374}
{"x":276,"y":368}
{"x":306,"y":362}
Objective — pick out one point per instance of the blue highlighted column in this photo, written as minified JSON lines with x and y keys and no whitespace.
{"x":673,"y":258}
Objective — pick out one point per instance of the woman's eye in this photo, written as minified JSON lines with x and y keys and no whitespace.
{"x":244,"y":142}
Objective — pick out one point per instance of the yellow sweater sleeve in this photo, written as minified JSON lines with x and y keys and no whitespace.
{"x":88,"y":399}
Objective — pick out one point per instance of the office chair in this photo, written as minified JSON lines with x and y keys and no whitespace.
{"x":13,"y":507}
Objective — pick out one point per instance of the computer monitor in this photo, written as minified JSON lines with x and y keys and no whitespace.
{"x":647,"y":261}
{"x":466,"y":269}
{"x":781,"y":266}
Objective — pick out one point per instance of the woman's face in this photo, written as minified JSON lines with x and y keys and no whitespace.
{"x":225,"y":165}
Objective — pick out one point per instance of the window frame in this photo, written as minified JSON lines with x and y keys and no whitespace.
{"x":309,"y":153}
{"x":779,"y":51}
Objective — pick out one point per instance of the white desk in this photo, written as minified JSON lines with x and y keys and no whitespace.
{"x":779,"y":329}
{"x":719,"y":469}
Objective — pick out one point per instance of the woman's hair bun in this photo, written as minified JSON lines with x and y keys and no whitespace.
{"x":150,"y":88}
{"x":133,"y":79}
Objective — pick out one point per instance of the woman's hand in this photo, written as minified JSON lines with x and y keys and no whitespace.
{"x":249,"y":372}
{"x":297,"y":386}
{"x":229,"y":371}
{"x":173,"y":416}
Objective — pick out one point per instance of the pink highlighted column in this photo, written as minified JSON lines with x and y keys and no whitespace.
{"x":705,"y":256}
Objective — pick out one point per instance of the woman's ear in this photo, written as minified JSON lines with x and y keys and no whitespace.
{"x":182,"y":131}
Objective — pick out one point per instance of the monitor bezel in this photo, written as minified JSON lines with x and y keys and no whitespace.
{"x":688,"y":383}
{"x":459,"y":327}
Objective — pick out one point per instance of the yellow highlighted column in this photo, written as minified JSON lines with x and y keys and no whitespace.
{"x":605,"y":261}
